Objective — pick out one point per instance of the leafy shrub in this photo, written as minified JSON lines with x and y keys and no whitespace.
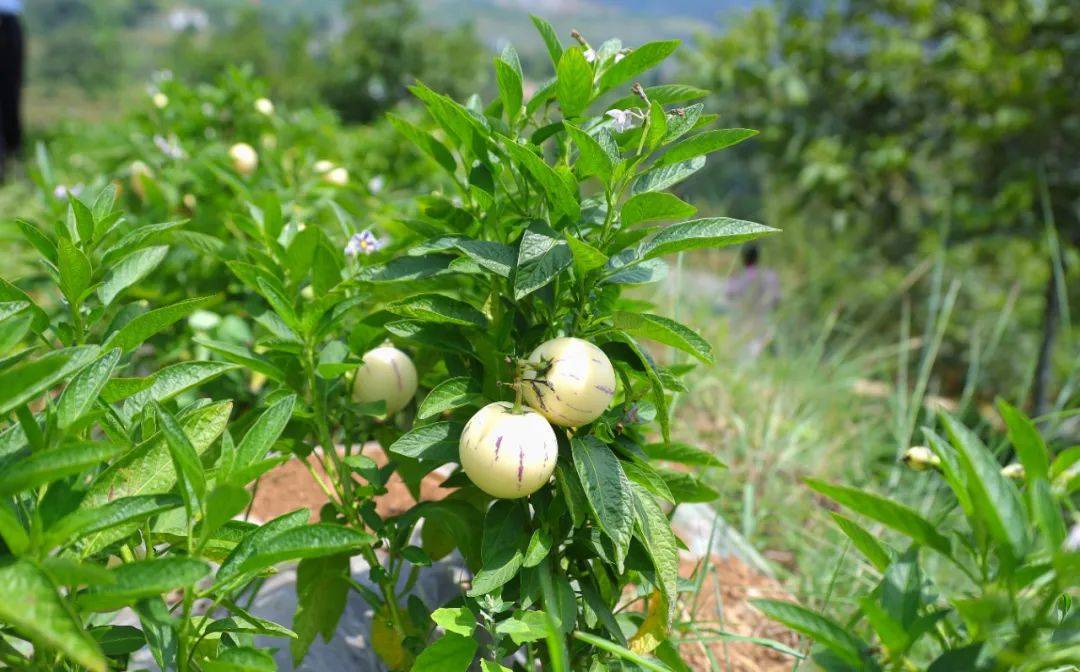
{"x":985,"y":583}
{"x":553,"y":214}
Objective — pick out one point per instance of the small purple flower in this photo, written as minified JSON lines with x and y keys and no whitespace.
{"x":621,"y":120}
{"x":61,"y":192}
{"x":590,"y":55}
{"x":365,"y":242}
{"x":170,"y":147}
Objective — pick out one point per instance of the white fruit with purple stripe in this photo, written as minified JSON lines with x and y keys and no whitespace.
{"x":571,"y":381}
{"x":506,"y":454}
{"x":244,"y":158}
{"x":387,"y":374}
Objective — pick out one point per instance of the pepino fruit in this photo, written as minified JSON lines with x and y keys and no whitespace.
{"x":244,"y":158}
{"x":338,"y":177}
{"x":506,"y":454}
{"x":264,"y":106}
{"x":387,"y":374}
{"x":572,"y":381}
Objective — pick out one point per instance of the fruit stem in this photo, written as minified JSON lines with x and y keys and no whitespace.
{"x":519,"y":388}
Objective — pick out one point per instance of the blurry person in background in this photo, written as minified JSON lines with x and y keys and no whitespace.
{"x":752,"y":294}
{"x":11,"y":76}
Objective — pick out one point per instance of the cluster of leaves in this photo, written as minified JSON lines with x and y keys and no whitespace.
{"x":553,"y":214}
{"x":946,"y":123}
{"x":557,"y":212}
{"x":986,"y":583}
{"x":117,"y":487}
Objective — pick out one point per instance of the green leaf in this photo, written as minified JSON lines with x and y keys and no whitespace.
{"x":437,"y":443}
{"x":654,"y":531}
{"x":879,"y":555}
{"x":641,"y":473}
{"x":458,"y":620}
{"x":550,"y":37}
{"x":663,"y":330}
{"x":264,"y":432}
{"x":682,"y":453}
{"x":1047,"y":514}
{"x":135,"y":332}
{"x":28,"y":379}
{"x":664,"y":177}
{"x":504,"y":545}
{"x":996,"y":500}
{"x":311,"y":541}
{"x":439,"y":309}
{"x":573,"y":86}
{"x":130,"y":270}
{"x":636,"y":62}
{"x":448,"y":395}
{"x":222,"y":504}
{"x":75,"y":271}
{"x":141,"y":579}
{"x":821,"y":629}
{"x":148,"y":469}
{"x":118,"y":640}
{"x":186,"y":462}
{"x":230,"y":567}
{"x":887,"y":512}
{"x":1025,"y":438}
{"x":30,"y":603}
{"x":687,"y":488}
{"x":425,"y":142}
{"x":86,"y":521}
{"x":509,"y":80}
{"x":606,"y":489}
{"x":163,"y":385}
{"x":84,"y":219}
{"x":238,"y":354}
{"x":9,"y":292}
{"x":65,"y":571}
{"x":495,"y":257}
{"x":449,"y":653}
{"x":586,"y":257}
{"x":656,"y":127}
{"x":81,"y":393}
{"x":542,"y":255}
{"x":704,"y":143}
{"x":12,"y":531}
{"x":53,"y":464}
{"x":525,"y":626}
{"x":622,"y":652}
{"x":654,"y":206}
{"x":713,"y":232}
{"x":592,"y":159}
{"x":137,"y":238}
{"x":561,"y":198}
{"x":241,"y":659}
{"x":322,"y":589}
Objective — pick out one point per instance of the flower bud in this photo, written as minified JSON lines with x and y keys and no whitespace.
{"x":160,"y":100}
{"x":1015,"y":471}
{"x":264,"y":106}
{"x":244,"y":158}
{"x":338,"y":177}
{"x":920,"y":458}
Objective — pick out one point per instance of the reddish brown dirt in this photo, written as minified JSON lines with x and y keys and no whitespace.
{"x":723,"y":603}
{"x":291,"y":486}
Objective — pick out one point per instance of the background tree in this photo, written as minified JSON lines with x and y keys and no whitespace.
{"x":907,"y":122}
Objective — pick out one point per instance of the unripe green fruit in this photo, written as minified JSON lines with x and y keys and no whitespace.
{"x":244,"y":158}
{"x":387,"y":374}
{"x":506,"y":454}
{"x":571,"y":383}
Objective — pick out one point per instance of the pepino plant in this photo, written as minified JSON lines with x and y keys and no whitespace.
{"x":119,"y":480}
{"x":988,"y":582}
{"x":538,"y":376}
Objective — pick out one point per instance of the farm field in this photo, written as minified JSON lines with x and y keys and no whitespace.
{"x":379,"y":335}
